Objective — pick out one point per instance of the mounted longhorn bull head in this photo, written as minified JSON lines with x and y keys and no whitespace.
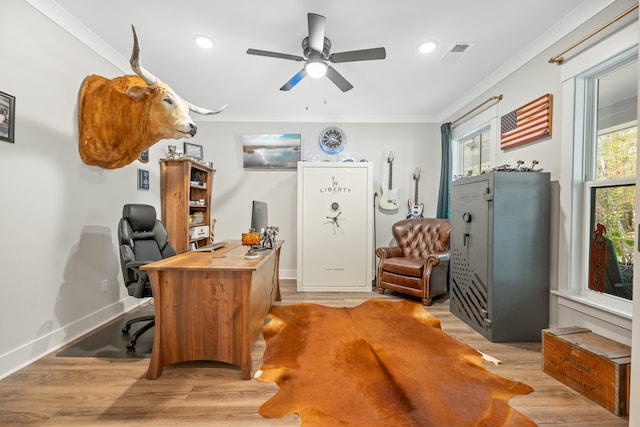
{"x":120,"y":118}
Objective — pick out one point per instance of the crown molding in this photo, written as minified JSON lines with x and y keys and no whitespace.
{"x":77,"y":29}
{"x":561,"y":29}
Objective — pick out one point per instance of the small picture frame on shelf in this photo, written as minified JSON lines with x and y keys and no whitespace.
{"x":7,"y":117}
{"x":193,"y":151}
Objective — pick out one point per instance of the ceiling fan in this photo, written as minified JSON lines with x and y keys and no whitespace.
{"x":316,"y":52}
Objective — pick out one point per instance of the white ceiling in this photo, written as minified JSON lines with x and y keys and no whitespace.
{"x":404,"y":87}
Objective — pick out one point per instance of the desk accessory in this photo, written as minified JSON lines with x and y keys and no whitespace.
{"x":250,"y":239}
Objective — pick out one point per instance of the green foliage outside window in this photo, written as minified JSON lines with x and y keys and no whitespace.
{"x":615,"y":206}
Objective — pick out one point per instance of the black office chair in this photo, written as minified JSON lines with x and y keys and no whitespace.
{"x":143,"y":239}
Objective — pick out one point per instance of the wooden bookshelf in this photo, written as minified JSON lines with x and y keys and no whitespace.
{"x":186,"y":202}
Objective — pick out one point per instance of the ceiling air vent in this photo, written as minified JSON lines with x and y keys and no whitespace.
{"x":456,"y":51}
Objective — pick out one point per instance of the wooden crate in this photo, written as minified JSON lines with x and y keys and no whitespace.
{"x":593,"y":365}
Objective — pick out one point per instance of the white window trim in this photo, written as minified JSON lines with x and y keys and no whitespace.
{"x":571,"y":248}
{"x":459,"y":132}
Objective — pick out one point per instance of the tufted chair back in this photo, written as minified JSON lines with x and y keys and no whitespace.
{"x":420,"y":237}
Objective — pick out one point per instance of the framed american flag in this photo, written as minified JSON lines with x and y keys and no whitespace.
{"x":528,"y":123}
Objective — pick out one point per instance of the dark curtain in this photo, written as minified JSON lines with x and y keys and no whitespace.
{"x":445,"y":172}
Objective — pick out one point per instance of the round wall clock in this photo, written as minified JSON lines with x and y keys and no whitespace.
{"x":332,"y":140}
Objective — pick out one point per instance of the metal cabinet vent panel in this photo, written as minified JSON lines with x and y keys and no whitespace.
{"x":470,"y":292}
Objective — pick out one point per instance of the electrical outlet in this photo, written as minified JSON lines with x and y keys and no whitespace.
{"x":104,"y":286}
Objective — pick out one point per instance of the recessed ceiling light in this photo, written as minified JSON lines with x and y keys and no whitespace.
{"x":428,"y":46}
{"x":204,"y":42}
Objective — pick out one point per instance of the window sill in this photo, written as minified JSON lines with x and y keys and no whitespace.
{"x":620,"y":318}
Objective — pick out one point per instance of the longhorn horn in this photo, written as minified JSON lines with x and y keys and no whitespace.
{"x":153,"y":82}
{"x":204,"y":111}
{"x":150,"y":79}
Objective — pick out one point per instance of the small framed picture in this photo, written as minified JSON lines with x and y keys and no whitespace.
{"x":193,"y":151}
{"x":7,"y":117}
{"x":143,"y":179}
{"x":144,"y":156}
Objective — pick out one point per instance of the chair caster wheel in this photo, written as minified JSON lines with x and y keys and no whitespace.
{"x":126,"y":329}
{"x":131,"y":345}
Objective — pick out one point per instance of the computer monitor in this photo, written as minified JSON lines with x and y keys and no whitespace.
{"x":259,"y":217}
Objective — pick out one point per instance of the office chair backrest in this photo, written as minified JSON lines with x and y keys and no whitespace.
{"x":142,"y":238}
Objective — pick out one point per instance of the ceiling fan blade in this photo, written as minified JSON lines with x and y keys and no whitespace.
{"x":274,"y":54}
{"x":316,"y":31}
{"x":359,"y":55}
{"x":338,"y":80}
{"x":294,"y":80}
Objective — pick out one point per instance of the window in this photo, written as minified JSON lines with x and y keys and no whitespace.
{"x":472,"y":152}
{"x":606,"y":107}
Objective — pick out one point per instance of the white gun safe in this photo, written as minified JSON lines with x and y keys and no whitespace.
{"x":335,"y":226}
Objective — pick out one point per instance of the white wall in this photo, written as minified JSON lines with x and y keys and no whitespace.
{"x":413,"y":145}
{"x":59,"y":216}
{"x":534,"y":79}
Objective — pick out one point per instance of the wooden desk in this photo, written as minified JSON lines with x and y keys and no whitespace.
{"x":211,"y":306}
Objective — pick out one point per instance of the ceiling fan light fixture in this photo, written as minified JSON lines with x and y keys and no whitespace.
{"x":428,"y":46}
{"x":315,"y":69}
{"x":204,"y":42}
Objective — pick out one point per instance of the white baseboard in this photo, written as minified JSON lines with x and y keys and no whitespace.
{"x":288,"y":274}
{"x":28,"y":353}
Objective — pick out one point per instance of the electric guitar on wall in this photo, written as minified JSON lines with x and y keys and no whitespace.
{"x":389,"y":197}
{"x":415,"y":208}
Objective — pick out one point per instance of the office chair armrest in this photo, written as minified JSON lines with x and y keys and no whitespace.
{"x":136,"y":264}
{"x":143,"y":277}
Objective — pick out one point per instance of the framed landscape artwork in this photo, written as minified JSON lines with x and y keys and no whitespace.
{"x":271,"y":150}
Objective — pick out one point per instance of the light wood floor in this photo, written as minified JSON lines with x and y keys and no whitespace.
{"x":56,"y":391}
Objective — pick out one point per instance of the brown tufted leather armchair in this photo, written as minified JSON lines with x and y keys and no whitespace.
{"x":419,"y":264}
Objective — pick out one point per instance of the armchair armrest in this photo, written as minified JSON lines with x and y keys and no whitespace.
{"x":439,"y":257}
{"x":388,"y":252}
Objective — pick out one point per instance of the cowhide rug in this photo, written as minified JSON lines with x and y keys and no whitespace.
{"x":382,"y":363}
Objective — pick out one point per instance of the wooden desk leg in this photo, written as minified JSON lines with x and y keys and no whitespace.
{"x":155,"y":369}
{"x":155,"y":365}
{"x":277,"y":275}
{"x":245,"y":370}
